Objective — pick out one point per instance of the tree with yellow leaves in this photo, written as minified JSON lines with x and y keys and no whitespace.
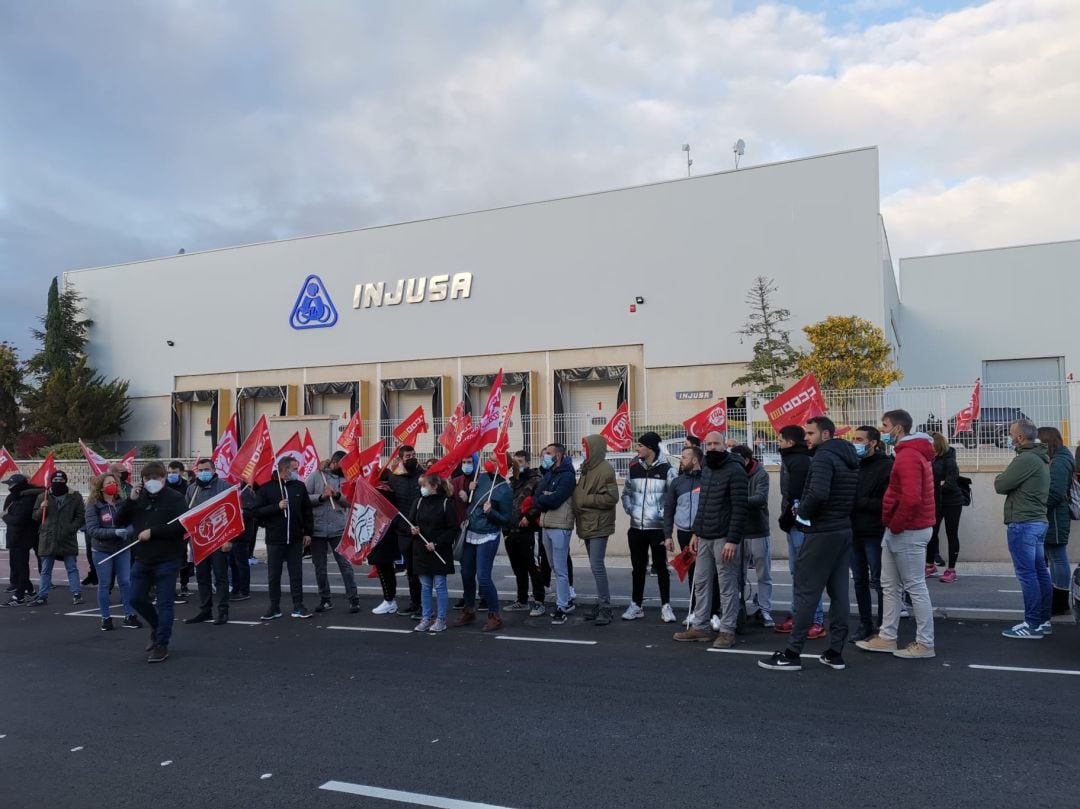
{"x":847,"y":353}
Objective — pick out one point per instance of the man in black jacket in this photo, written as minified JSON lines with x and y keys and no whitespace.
{"x":794,"y":466}
{"x":22,"y":535}
{"x":874,"y":469}
{"x":521,"y":536}
{"x":284,"y":510}
{"x":207,"y":486}
{"x":825,"y":514}
{"x":152,"y":511}
{"x":176,"y":480}
{"x":403,"y":478}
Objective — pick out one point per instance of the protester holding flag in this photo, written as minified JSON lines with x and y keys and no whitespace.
{"x":61,"y":514}
{"x":492,"y":503}
{"x":553,"y":499}
{"x":153,"y":512}
{"x":22,"y":535}
{"x":329,"y":513}
{"x":284,"y":509}
{"x":404,"y":482}
{"x":794,"y":466}
{"x":594,"y":501}
{"x":521,"y":537}
{"x":680,"y":510}
{"x":109,"y":539}
{"x":434,"y":529}
{"x":207,"y":486}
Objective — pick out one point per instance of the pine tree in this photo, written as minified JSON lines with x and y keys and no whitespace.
{"x":64,"y":335}
{"x":11,"y":388}
{"x":775,"y":360}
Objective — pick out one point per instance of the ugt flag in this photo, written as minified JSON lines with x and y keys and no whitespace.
{"x":98,"y":465}
{"x":353,"y":431}
{"x":502,"y":443}
{"x":970,"y":413}
{"x":711,"y":420}
{"x":254,"y":461}
{"x":799,"y":403}
{"x":42,"y":477}
{"x":370,"y":516}
{"x":213,"y":523}
{"x":617,"y":431}
{"x":225,"y":452}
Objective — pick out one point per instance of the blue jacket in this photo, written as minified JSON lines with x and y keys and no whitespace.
{"x":502,"y":504}
{"x":553,"y":496}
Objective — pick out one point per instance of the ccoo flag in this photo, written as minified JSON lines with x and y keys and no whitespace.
{"x":970,"y":414}
{"x":98,"y":465}
{"x":502,"y":443}
{"x":44,"y":473}
{"x":413,"y":425}
{"x":7,"y":464}
{"x":800,"y":402}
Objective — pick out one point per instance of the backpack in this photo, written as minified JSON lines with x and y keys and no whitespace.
{"x":965,"y":489}
{"x":1074,"y":500}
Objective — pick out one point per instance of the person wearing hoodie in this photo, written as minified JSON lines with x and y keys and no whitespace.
{"x":490,"y":509}
{"x":909,"y":513}
{"x":948,"y":503}
{"x":867,"y":529}
{"x":643,"y":500}
{"x":61,"y":514}
{"x":1026,"y":486}
{"x":794,"y":466}
{"x":329,"y":511}
{"x":22,"y":535}
{"x":757,"y":541}
{"x":1056,"y":544}
{"x":825,"y":515}
{"x":553,"y":498}
{"x":594,"y":502}
{"x":207,"y":486}
{"x":403,"y":478}
{"x":521,"y":537}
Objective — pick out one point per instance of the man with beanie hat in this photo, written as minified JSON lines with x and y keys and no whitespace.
{"x":22,"y":535}
{"x":330,"y":510}
{"x":61,"y":514}
{"x":643,"y":500}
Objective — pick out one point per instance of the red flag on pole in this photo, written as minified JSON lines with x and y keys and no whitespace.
{"x":128,"y":462}
{"x":213,"y":523}
{"x":682,"y":561}
{"x":353,"y":431}
{"x":225,"y":452}
{"x":98,"y":465}
{"x":7,"y":464}
{"x":455,"y":426}
{"x":465,"y":447}
{"x":366,"y":464}
{"x":712,"y":419}
{"x":310,"y":464}
{"x":489,"y":419}
{"x":970,"y":413}
{"x":370,"y":516}
{"x":800,"y":402}
{"x":254,"y":461}
{"x":291,"y":449}
{"x":413,"y":425}
{"x":502,"y":443}
{"x":43,"y":475}
{"x":617,"y":431}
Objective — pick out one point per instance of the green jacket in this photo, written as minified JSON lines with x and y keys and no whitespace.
{"x":1062,"y":470}
{"x":1026,"y":484}
{"x":596,"y":493}
{"x":59,"y":531}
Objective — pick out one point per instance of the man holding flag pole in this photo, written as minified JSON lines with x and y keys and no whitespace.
{"x":284,"y":509}
{"x":207,"y":486}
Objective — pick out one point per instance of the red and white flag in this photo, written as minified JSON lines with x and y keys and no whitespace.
{"x":294,"y":449}
{"x":310,"y":464}
{"x":353,"y":431}
{"x":799,"y":403}
{"x":617,"y":431}
{"x":213,"y":523}
{"x":43,"y":476}
{"x":413,"y":425}
{"x":711,"y":420}
{"x":98,"y":465}
{"x":225,"y":452}
{"x":7,"y":464}
{"x":970,"y":413}
{"x":366,"y":464}
{"x":254,"y":461}
{"x":128,"y":462}
{"x":456,"y":425}
{"x":370,"y":517}
{"x":489,"y":419}
{"x":502,"y":443}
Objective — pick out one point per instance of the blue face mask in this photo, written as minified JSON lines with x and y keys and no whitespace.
{"x":467,"y":468}
{"x":205,"y":477}
{"x":860,"y":450}
{"x":888,"y":439}
{"x":172,"y":477}
{"x":294,"y":475}
{"x":547,"y":461}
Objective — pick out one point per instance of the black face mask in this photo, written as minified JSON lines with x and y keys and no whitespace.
{"x":713,"y":458}
{"x":59,"y":489}
{"x":411,"y":465}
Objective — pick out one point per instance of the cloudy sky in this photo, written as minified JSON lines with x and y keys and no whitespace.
{"x":130,"y":129}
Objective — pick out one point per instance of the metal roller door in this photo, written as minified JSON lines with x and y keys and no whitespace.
{"x":406,"y":402}
{"x":588,"y":405}
{"x":195,"y":429}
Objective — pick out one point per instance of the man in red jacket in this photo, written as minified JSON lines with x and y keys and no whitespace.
{"x":909,"y":516}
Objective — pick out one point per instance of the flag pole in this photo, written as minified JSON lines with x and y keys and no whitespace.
{"x":107,"y":558}
{"x":409,"y":523}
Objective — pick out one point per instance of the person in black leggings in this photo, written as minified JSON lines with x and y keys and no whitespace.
{"x":949,"y":501}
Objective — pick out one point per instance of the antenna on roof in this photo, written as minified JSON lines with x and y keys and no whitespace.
{"x":739,"y":148}
{"x":689,"y":162}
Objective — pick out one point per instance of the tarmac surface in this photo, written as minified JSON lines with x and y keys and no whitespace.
{"x":359,"y":711}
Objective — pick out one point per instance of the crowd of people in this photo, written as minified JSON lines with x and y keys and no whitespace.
{"x":869,"y":508}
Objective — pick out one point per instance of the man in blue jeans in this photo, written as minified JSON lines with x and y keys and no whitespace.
{"x":151,"y":511}
{"x":553,"y":498}
{"x":1026,"y":486}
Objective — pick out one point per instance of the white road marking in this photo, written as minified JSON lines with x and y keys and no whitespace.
{"x":166,"y":763}
{"x":750,"y":652}
{"x":373,"y":629}
{"x":414,"y":798}
{"x":246,"y":623}
{"x":1010,"y":591}
{"x":265,"y":775}
{"x":75,"y":749}
{"x":547,"y":640}
{"x":1024,"y":670}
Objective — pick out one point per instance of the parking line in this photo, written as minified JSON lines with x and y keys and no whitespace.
{"x":1024,"y":670}
{"x":373,"y":629}
{"x":749,"y":652}
{"x":547,"y":640}
{"x":414,"y":798}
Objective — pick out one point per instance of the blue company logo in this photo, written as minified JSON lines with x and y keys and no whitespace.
{"x":313,"y":309}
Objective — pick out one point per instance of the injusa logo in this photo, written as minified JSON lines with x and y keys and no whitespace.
{"x":313,"y":308}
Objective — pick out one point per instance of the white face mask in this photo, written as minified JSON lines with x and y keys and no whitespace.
{"x":153,"y":485}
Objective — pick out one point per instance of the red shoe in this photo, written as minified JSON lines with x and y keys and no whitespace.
{"x":816,"y":631}
{"x":784,"y":628}
{"x":373,"y":573}
{"x":930,"y":571}
{"x":948,"y":577}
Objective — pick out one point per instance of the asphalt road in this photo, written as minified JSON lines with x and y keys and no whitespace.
{"x":264,"y":715}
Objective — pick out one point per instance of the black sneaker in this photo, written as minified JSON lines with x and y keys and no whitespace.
{"x":202,"y":617}
{"x":153,"y":642}
{"x":89,"y":581}
{"x":270,"y":615}
{"x":459,"y":604}
{"x":559,"y":618}
{"x":864,"y":632}
{"x":939,"y":561}
{"x":15,"y":601}
{"x":834,"y":660}
{"x":570,"y":607}
{"x":179,"y":598}
{"x":782,"y":661}
{"x":354,"y":605}
{"x":131,"y":622}
{"x":77,"y":600}
{"x":241,"y":597}
{"x":482,"y":605}
{"x":158,"y":654}
{"x":409,"y":611}
{"x":300,"y":612}
{"x":222,"y":619}
{"x":39,"y":602}
{"x":107,"y":625}
{"x":325,"y":605}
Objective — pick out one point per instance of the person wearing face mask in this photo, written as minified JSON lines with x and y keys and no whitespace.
{"x":594,"y":501}
{"x":22,"y":535}
{"x":757,"y":540}
{"x":329,"y":512}
{"x":867,"y":529}
{"x":794,"y":467}
{"x":152,"y":513}
{"x":284,"y":509}
{"x":553,"y":499}
{"x":207,"y":486}
{"x":434,"y":530}
{"x":174,"y":479}
{"x":680,"y":510}
{"x":520,"y":537}
{"x":492,"y":503}
{"x":101,"y":529}
{"x":403,"y":478}
{"x":60,"y":513}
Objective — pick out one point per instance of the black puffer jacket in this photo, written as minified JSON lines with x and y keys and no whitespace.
{"x":22,"y":531}
{"x":874,"y":474}
{"x":721,"y":510}
{"x":947,"y":471}
{"x":436,"y":518}
{"x":794,"y":465}
{"x":829,"y":495}
{"x":287,"y":525}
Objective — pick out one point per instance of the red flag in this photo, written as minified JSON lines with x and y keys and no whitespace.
{"x":710,"y":420}
{"x":465,"y":447}
{"x":7,"y":464}
{"x":415,"y":424}
{"x":455,"y":426}
{"x":98,"y":465}
{"x":489,"y":419}
{"x":213,"y":523}
{"x":43,"y":475}
{"x":370,"y":516}
{"x":682,"y":561}
{"x":254,"y":461}
{"x":366,"y":464}
{"x":353,"y":431}
{"x":799,"y":403}
{"x":291,"y":449}
{"x":970,"y":413}
{"x":502,"y":443}
{"x":225,"y":452}
{"x":617,"y":431}
{"x":310,"y":463}
{"x":128,"y":462}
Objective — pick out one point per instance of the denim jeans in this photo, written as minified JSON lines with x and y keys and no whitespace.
{"x":1057,"y":556}
{"x":557,"y":547}
{"x":476,"y":564}
{"x":597,"y":548}
{"x":795,"y":539}
{"x":71,"y":563}
{"x":438,"y":584}
{"x":902,"y":571}
{"x":162,"y":577}
{"x":1029,"y":562}
{"x":122,"y":565}
{"x":866,"y":577}
{"x":319,"y":547}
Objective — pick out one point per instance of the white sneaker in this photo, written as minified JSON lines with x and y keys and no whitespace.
{"x":632,"y":612}
{"x":1046,"y":628}
{"x":714,"y":622}
{"x":667,"y":614}
{"x":386,"y":608}
{"x":573,"y":595}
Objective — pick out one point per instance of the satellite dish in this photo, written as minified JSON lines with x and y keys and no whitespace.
{"x":686,"y":147}
{"x":740,"y":147}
